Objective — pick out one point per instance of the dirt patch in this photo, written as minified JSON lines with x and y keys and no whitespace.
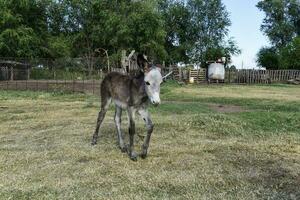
{"x":226,"y":108}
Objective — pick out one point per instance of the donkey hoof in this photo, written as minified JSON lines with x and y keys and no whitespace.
{"x":143,"y":155}
{"x":144,"y":152}
{"x":133,"y":156}
{"x":123,"y":149}
{"x":94,"y":142}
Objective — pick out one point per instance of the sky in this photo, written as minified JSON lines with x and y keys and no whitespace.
{"x":246,"y":20}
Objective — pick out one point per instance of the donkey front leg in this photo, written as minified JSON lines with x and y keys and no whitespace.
{"x":131,"y":153}
{"x":146,"y":117}
{"x":118,"y":116}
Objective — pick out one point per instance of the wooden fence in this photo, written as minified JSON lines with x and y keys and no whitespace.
{"x":240,"y":76}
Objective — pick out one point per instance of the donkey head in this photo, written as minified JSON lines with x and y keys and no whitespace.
{"x":152,"y":79}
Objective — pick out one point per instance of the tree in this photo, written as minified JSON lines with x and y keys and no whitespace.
{"x":196,"y":30}
{"x":282,"y":26}
{"x":282,"y":21}
{"x":113,"y":25}
{"x":227,"y":49}
{"x":289,"y":55}
{"x":175,"y":30}
{"x":177,"y":22}
{"x":210,"y":22}
{"x":268,"y":57}
{"x":22,"y":32}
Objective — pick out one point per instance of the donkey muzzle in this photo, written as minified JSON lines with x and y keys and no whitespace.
{"x":155,"y":103}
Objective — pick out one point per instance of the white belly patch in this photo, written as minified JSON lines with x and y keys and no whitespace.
{"x":120,"y":104}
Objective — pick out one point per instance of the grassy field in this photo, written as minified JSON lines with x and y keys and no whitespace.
{"x":209,"y":142}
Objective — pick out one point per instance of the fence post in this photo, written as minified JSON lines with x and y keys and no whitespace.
{"x":93,"y":86}
{"x":11,"y":73}
{"x":47,"y":86}
{"x":56,"y":82}
{"x":65,"y":84}
{"x":180,"y":75}
{"x":28,"y":73}
{"x":198,"y":78}
{"x":83,"y":84}
{"x":73,"y":84}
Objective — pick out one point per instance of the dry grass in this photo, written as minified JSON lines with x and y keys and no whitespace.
{"x":196,"y":152}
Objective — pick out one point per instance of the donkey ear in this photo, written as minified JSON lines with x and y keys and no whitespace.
{"x":142,"y":62}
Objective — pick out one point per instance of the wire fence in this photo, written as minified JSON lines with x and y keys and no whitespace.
{"x":68,"y":74}
{"x":82,"y":75}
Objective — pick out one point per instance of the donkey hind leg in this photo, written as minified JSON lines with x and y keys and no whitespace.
{"x":146,"y":117}
{"x":118,"y":115}
{"x":131,"y":153}
{"x":104,"y":107}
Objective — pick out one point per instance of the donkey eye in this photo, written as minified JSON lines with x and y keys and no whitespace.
{"x":147,"y":83}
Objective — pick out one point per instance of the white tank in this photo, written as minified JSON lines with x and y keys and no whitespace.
{"x":216,"y":71}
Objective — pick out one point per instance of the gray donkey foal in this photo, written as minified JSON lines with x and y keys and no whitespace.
{"x":132,"y":94}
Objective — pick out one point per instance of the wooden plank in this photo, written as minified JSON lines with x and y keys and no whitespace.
{"x":248,"y":73}
{"x":280,"y":76}
{"x":256,"y":78}
{"x":271,"y":75}
{"x":291,"y":75}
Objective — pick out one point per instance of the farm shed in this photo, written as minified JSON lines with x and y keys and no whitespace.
{"x":12,"y":70}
